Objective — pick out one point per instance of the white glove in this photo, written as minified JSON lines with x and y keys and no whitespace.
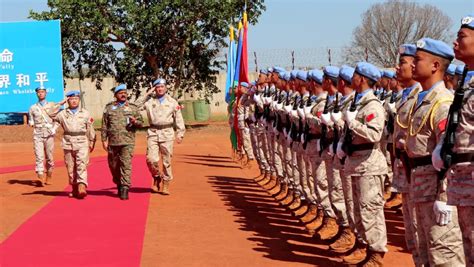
{"x":256,"y":98}
{"x":288,"y":139}
{"x":318,"y":145}
{"x":335,"y":117}
{"x":287,"y":108}
{"x":350,"y":116}
{"x":436,"y":159}
{"x":307,"y":110}
{"x":391,"y":106}
{"x":326,"y":119}
{"x":302,"y":138}
{"x":300,"y":113}
{"x":294,"y":113}
{"x":443,"y":212}
{"x":340,"y":153}
{"x":278,"y":106}
{"x":246,"y":130}
{"x":331,"y":150}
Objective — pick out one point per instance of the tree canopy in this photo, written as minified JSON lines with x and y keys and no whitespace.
{"x":386,"y":26}
{"x":138,"y":41}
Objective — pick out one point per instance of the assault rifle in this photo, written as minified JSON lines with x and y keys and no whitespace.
{"x":348,"y":136}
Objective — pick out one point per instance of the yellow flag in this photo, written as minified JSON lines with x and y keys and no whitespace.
{"x":232,"y":33}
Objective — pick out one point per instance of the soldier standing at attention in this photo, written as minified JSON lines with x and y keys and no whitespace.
{"x":120,"y":121}
{"x":366,"y":165}
{"x":460,"y":174}
{"x":40,"y":117}
{"x":440,"y":241}
{"x":449,"y":77}
{"x":164,"y":113}
{"x":78,"y":141}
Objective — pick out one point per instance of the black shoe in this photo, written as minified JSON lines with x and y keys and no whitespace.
{"x":124,"y":193}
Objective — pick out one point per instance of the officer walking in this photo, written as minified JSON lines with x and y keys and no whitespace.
{"x":120,"y":121}
{"x":78,"y":140}
{"x":40,"y":117}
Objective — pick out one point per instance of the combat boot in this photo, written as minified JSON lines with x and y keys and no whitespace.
{"x":265,"y":179}
{"x":357,"y":256}
{"x":310,"y":214}
{"x":155,"y":188}
{"x":124,"y":193}
{"x":316,"y":223}
{"x":288,"y":198}
{"x":166,"y":189}
{"x":395,"y":202}
{"x":40,"y":180}
{"x":374,"y":259}
{"x":276,"y":188}
{"x":81,"y":191}
{"x":74,"y":191}
{"x":302,"y":209}
{"x":271,"y":183}
{"x":329,"y":229}
{"x":284,"y":191}
{"x":345,"y":242}
{"x":261,"y":177}
{"x":49,"y":177}
{"x":296,"y":203}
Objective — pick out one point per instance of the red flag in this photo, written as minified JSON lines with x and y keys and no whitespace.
{"x":244,"y":65}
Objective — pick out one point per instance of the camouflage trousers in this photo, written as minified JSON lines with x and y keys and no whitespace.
{"x":262,"y":148}
{"x":287,"y":161}
{"x":466,"y":221}
{"x":155,"y":151}
{"x":120,"y":164}
{"x":367,"y":192}
{"x":438,"y":245}
{"x":346,"y":182}
{"x":335,"y":190}
{"x":270,"y":135}
{"x":76,"y":164}
{"x":411,"y":227}
{"x":310,"y":187}
{"x":43,"y":147}
{"x":296,"y":171}
{"x":246,"y":142}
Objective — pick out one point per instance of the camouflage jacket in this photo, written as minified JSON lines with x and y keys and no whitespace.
{"x":116,"y":126}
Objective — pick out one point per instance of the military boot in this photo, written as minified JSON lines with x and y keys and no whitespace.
{"x":288,"y":198}
{"x":395,"y":202}
{"x":296,"y":202}
{"x":374,"y":259}
{"x":155,"y":188}
{"x":81,"y":191}
{"x":166,"y":189}
{"x":40,"y":180}
{"x":275,"y":189}
{"x":302,"y":209}
{"x":262,"y":176}
{"x":74,"y":191}
{"x":49,"y":177}
{"x":329,"y":229}
{"x":345,"y":242}
{"x":284,"y":191}
{"x":265,"y":179}
{"x":357,"y":256}
{"x":271,"y":183}
{"x":310,"y":214}
{"x":124,"y":193}
{"x":315,"y":224}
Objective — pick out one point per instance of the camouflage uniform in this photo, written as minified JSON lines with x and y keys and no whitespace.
{"x":262,"y":146}
{"x":79,"y":134}
{"x":243,"y":127}
{"x":120,"y":135}
{"x":460,"y":175}
{"x":40,"y":117}
{"x":439,"y":245}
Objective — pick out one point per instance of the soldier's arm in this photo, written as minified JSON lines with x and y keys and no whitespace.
{"x":440,"y":119}
{"x":139,"y":119}
{"x":371,"y":128}
{"x":103,"y":130}
{"x":90,"y":131}
{"x":31,"y":121}
{"x":180,"y":127}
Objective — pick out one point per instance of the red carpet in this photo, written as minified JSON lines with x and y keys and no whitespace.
{"x":101,"y":230}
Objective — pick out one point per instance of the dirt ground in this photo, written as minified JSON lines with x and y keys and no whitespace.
{"x":216,"y":216}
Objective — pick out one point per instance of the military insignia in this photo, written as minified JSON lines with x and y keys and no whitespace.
{"x":420,"y":44}
{"x":467,"y":20}
{"x":319,"y":114}
{"x":369,"y":117}
{"x":179,"y":107}
{"x":401,"y":50}
{"x":442,"y":125}
{"x":91,"y":120}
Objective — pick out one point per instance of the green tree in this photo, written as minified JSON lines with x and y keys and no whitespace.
{"x":137,"y":41}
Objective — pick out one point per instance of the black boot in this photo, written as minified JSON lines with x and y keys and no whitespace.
{"x":119,"y":190}
{"x":124,"y":193}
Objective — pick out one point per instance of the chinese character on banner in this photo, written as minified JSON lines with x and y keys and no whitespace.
{"x":22,"y":80}
{"x":4,"y":81}
{"x":6,"y":56}
{"x":41,"y":77}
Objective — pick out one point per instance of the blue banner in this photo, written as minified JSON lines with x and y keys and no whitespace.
{"x":30,"y":57}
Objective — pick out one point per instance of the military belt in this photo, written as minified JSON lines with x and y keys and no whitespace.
{"x":75,"y":133}
{"x":463,"y":157}
{"x":162,"y":126}
{"x":420,"y":161}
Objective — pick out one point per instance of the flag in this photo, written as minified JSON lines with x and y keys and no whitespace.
{"x":244,"y":65}
{"x":238,"y":53}
{"x":230,"y":65}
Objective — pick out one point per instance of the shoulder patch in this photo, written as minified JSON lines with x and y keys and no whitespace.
{"x":442,"y":125}
{"x":369,"y":117}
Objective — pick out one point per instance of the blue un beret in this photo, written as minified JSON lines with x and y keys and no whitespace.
{"x":346,"y":73}
{"x":435,"y":47}
{"x":302,"y":75}
{"x":264,"y":71}
{"x":159,"y":81}
{"x":407,"y":50}
{"x":368,"y":70}
{"x":388,"y":74}
{"x":120,"y":87}
{"x":468,"y":22}
{"x":244,"y":84}
{"x":331,"y":71}
{"x":281,"y":74}
{"x":39,"y":88}
{"x":287,"y":76}
{"x":73,"y":93}
{"x":459,"y":69}
{"x":278,"y":69}
{"x":293,"y":74}
{"x":317,"y":76}
{"x":451,"y":70}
